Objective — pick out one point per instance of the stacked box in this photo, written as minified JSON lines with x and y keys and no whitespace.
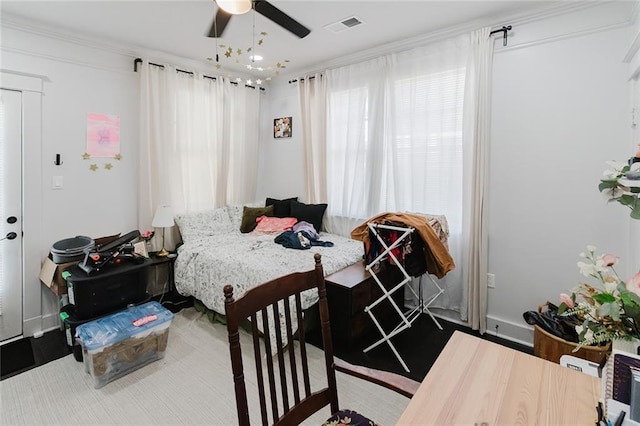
{"x":115,"y":345}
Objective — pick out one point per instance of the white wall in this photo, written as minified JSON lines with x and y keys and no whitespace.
{"x":78,"y":80}
{"x":560,"y":110}
{"x":281,"y":160}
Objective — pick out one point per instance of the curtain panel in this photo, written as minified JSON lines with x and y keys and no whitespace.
{"x":408,"y":132}
{"x":198,"y":142}
{"x":312,"y":103}
{"x":477,"y":139}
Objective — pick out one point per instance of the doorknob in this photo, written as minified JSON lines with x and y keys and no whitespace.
{"x":12,"y":219}
{"x":10,"y":236}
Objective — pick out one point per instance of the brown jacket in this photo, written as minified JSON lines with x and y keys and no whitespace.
{"x":439,"y":261}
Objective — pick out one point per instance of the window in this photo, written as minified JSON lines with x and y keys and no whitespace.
{"x":395,"y":144}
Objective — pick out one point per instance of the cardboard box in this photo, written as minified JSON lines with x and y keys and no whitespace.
{"x":51,"y":273}
{"x":51,"y":276}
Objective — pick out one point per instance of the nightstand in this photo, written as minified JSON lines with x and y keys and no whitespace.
{"x":161,"y":284}
{"x":349,"y":291}
{"x":160,"y":278}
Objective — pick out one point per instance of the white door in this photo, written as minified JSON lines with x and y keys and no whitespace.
{"x":10,"y":214}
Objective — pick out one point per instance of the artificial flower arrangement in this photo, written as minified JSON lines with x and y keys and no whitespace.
{"x":606,"y":311}
{"x":147,"y":236}
{"x":622,"y":183}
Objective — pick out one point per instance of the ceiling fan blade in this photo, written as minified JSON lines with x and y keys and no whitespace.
{"x":271,"y":12}
{"x":219,"y":23}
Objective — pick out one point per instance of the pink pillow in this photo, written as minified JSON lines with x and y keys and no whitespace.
{"x":269,"y":225}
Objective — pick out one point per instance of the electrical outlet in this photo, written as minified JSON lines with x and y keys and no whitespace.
{"x":491,"y":280}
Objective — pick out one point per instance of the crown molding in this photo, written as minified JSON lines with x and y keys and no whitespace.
{"x":129,"y":52}
{"x":507,"y":19}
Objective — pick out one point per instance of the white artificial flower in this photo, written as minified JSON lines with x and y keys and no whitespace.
{"x":600,"y":265}
{"x":617,"y":165}
{"x":610,"y":286}
{"x":587,"y":269}
{"x":610,"y":175}
{"x":591,"y":248}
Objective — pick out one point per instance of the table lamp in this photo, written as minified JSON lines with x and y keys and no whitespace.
{"x":163,"y":219}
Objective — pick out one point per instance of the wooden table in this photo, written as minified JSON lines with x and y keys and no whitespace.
{"x":476,"y":382}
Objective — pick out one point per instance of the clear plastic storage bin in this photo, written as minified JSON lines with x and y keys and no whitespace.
{"x":115,"y":345}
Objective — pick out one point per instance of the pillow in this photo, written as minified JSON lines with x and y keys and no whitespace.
{"x":312,"y":213}
{"x":235,"y":212}
{"x":269,"y":225}
{"x":202,"y":224}
{"x":281,"y":208}
{"x":249,"y":216}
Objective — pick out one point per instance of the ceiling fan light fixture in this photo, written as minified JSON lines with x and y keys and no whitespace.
{"x":234,"y":7}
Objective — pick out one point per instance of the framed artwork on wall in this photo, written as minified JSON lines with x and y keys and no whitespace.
{"x":103,"y":135}
{"x":282,"y":127}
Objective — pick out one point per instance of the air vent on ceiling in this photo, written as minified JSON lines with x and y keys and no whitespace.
{"x":344,"y":24}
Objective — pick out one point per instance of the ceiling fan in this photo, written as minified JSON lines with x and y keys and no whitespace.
{"x":227,"y":8}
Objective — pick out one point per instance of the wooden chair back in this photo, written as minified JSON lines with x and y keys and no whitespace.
{"x":285,"y":394}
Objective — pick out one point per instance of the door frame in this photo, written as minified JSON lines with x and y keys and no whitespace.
{"x":31,"y":87}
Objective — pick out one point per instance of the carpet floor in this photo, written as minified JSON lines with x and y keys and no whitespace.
{"x":192,"y":384}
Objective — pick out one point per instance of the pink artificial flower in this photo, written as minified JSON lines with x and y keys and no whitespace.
{"x":147,"y":235}
{"x":566,"y":299}
{"x":609,"y":260}
{"x":633,"y":284}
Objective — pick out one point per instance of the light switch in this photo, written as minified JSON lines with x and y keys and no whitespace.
{"x":56,"y":182}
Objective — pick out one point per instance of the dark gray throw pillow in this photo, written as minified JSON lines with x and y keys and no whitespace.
{"x":281,"y":208}
{"x":312,"y":213}
{"x":249,"y":216}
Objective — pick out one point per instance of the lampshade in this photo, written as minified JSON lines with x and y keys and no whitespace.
{"x":235,"y":7}
{"x":163,"y":217}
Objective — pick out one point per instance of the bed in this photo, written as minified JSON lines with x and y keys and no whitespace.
{"x":215,"y":253}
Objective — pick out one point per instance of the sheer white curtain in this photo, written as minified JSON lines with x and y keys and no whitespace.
{"x":477,"y":129}
{"x":356,"y":109}
{"x":241,"y":135}
{"x":193,"y":171}
{"x":156,"y":104}
{"x":198,"y":142}
{"x":399,"y":139}
{"x":395,"y":142}
{"x":312,"y":97}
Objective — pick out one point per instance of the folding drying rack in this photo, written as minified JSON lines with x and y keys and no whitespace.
{"x":406,"y":318}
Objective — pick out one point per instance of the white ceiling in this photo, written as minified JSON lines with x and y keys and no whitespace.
{"x":179,"y":27}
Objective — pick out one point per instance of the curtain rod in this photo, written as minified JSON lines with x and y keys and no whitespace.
{"x":295,"y":80}
{"x":138,"y":60}
{"x":502,"y":30}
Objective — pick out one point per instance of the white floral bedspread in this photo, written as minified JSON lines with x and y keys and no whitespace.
{"x":215,"y":253}
{"x":206,"y":265}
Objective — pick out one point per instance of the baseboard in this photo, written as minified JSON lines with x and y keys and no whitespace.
{"x":50,"y":322}
{"x":517,"y":333}
{"x":507,"y":330}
